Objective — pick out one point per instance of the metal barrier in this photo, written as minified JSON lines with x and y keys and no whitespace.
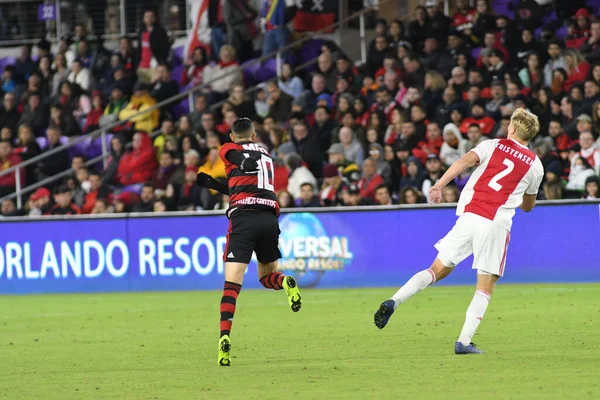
{"x":19,"y":191}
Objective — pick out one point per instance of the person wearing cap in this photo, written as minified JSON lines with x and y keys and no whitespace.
{"x":140,"y":101}
{"x":40,"y":202}
{"x":580,"y":31}
{"x":478,"y":117}
{"x":330,"y":194}
{"x":433,"y":172}
{"x":64,"y":202}
{"x":351,"y":197}
{"x":337,"y":157}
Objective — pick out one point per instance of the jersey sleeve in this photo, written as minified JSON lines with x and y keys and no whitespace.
{"x":485,"y":149}
{"x":538,"y":175}
{"x":226,"y":148}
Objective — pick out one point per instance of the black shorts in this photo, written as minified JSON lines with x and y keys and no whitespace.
{"x":252,"y":231}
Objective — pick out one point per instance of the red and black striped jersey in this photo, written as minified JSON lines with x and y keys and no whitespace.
{"x":250,"y":189}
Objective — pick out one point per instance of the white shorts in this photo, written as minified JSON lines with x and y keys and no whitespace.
{"x":472,"y":234}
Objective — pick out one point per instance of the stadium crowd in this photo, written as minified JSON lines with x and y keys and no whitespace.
{"x":342,"y":135}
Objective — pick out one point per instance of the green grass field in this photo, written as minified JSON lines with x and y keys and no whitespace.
{"x":542,"y":342}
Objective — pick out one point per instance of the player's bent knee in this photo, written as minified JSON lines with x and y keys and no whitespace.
{"x":440,"y":269}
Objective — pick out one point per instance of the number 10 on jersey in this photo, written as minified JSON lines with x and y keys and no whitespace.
{"x":266,"y":173}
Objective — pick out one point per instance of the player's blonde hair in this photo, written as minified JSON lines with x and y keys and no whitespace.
{"x":526,"y":124}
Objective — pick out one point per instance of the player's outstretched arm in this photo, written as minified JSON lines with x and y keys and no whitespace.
{"x":465,"y":162}
{"x":209,"y":182}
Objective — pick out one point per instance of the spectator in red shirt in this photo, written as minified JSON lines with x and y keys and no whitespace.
{"x":478,"y":117}
{"x":579,"y":32}
{"x":577,"y":68}
{"x":138,"y":166}
{"x":431,"y":144}
{"x":463,"y":17}
{"x":370,"y":179}
{"x":153,"y":44}
{"x":97,"y":191}
{"x":92,"y":122}
{"x":7,"y":160}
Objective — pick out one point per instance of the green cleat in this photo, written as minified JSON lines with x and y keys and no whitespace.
{"x":293,"y":293}
{"x":224,"y":347}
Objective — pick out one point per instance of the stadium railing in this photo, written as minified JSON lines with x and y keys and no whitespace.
{"x":20,"y":191}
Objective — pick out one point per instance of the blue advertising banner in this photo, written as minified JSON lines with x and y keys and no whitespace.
{"x":333,"y":249}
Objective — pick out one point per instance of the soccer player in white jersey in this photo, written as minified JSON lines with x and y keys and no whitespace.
{"x":508,"y":176}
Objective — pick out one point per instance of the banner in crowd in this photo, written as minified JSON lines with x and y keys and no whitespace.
{"x":314,"y":15}
{"x":323,"y":249}
{"x":199,"y":35}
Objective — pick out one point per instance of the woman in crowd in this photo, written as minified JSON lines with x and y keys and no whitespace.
{"x":413,"y":173}
{"x":454,"y":147}
{"x":194,"y":68}
{"x":222,"y":76}
{"x":411,"y":195}
{"x":60,"y":73}
{"x":289,"y":83}
{"x":532,"y":74}
{"x":577,"y":68}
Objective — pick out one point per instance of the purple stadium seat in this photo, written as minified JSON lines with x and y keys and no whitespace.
{"x":562,"y":32}
{"x":42,"y":142}
{"x":475,"y":53}
{"x":178,"y":56}
{"x":64,"y":140}
{"x":268,"y":71}
{"x":501,"y":7}
{"x":4,"y":61}
{"x":136,"y":188}
{"x":176,"y":72}
{"x":249,"y":79}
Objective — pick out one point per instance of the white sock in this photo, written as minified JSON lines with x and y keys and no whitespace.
{"x":418,"y":282}
{"x":475,"y":312}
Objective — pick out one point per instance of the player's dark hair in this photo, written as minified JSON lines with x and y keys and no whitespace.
{"x":242,"y":127}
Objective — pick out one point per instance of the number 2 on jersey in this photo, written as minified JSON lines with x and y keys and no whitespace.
{"x":494,"y":181}
{"x":266,"y":173}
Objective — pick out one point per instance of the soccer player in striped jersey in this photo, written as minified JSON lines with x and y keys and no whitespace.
{"x":508,"y":176}
{"x":253,"y":225}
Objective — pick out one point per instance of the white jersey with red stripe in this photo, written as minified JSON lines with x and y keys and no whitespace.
{"x":506,"y":171}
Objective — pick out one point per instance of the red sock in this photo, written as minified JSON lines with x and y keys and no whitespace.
{"x":231,"y":292}
{"x":273,"y":280}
